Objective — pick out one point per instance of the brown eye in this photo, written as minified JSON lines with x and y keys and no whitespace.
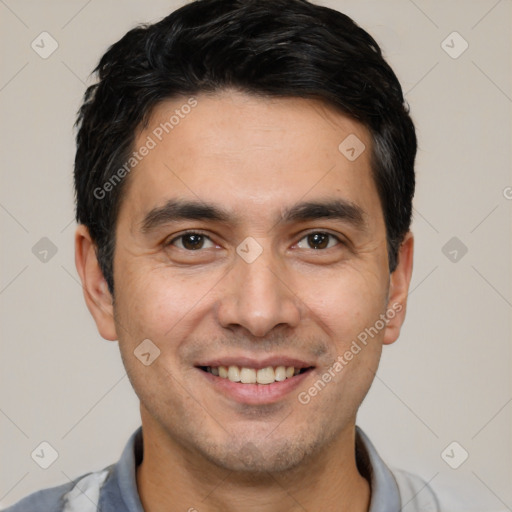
{"x":191,"y":241}
{"x":319,"y":240}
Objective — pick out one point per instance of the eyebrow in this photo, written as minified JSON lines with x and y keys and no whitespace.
{"x":175,"y":210}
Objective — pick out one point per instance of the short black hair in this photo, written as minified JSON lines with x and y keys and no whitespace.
{"x":272,"y":48}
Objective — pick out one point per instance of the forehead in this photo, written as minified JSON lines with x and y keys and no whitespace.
{"x":253,"y":154}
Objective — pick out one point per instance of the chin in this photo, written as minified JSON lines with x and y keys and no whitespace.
{"x":261,"y":457}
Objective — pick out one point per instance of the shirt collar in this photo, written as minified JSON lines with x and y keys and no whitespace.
{"x":385,"y":496}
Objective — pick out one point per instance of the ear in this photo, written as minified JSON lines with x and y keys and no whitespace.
{"x":398,"y":290}
{"x":97,"y":296}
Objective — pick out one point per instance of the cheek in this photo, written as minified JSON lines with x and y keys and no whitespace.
{"x":348,"y":306}
{"x":157,"y":304}
{"x":347,"y":301}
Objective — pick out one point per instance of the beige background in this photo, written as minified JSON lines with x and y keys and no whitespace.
{"x":447,"y":379}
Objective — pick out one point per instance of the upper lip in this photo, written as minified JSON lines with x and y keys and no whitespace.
{"x":249,"y":362}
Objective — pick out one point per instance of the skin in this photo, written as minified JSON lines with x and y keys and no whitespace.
{"x":255,"y":157}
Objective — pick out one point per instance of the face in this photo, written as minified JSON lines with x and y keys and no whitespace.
{"x":247,"y":238}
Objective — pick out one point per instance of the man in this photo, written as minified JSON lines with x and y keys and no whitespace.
{"x":244,"y":181}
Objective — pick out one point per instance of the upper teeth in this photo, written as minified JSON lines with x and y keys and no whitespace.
{"x":245,"y":375}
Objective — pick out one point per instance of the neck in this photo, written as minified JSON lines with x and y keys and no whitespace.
{"x":172,"y":478}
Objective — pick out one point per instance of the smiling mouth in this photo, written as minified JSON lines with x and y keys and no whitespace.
{"x":264,"y":376}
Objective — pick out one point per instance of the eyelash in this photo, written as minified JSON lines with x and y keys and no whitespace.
{"x":187,"y":233}
{"x":171,"y":242}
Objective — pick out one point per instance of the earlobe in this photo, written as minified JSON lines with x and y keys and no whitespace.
{"x":398,"y":290}
{"x":96,"y":292}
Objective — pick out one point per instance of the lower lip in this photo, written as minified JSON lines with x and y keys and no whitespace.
{"x":255,"y":394}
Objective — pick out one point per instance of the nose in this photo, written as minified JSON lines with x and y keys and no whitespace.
{"x":257,"y":297}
